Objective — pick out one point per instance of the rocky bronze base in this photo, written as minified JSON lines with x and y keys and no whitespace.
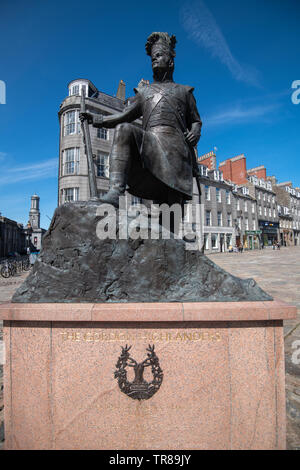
{"x":76,"y":266}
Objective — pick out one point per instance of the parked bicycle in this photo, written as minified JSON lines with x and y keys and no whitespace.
{"x":10,"y":267}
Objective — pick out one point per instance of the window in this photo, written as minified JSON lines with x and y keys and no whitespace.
{"x":258,"y":195}
{"x":70,"y":194}
{"x":206,"y":241}
{"x":227,"y":197}
{"x":270,"y":213}
{"x":246,"y":207}
{"x":203,"y":170}
{"x":218,"y":195}
{"x":214,"y":241}
{"x":135,"y":200}
{"x":238,"y":205}
{"x":239,"y":222}
{"x":207,"y":193}
{"x":102,"y":165}
{"x":71,"y":159}
{"x":208,"y":218}
{"x":259,"y":210}
{"x":75,"y":90}
{"x":253,"y":208}
{"x":219,"y":215}
{"x":102,"y":133}
{"x":72,"y":123}
{"x":265,"y":211}
{"x":218,"y":176}
{"x":246,"y":223}
{"x":229,"y":220}
{"x":78,"y":89}
{"x":254,"y":224}
{"x":228,"y":241}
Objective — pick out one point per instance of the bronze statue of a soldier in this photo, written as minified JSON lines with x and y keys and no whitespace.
{"x":155,"y":162}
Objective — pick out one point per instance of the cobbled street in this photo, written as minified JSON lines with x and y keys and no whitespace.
{"x":277,"y":272}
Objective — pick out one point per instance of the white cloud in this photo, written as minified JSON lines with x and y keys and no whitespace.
{"x":36,"y":171}
{"x":238,"y":114}
{"x":203,"y":29}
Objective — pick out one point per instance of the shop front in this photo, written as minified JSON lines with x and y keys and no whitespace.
{"x":251,"y":239}
{"x":269,"y":232}
{"x":286,"y":237}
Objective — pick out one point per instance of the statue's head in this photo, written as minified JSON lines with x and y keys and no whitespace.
{"x":161,"y":48}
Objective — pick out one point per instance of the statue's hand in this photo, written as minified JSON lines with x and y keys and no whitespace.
{"x":86,"y":117}
{"x":191,"y":138}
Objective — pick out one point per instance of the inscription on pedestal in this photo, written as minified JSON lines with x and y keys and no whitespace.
{"x":148,"y":337}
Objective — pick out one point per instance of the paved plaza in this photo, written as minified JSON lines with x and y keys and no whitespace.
{"x":277,"y":272}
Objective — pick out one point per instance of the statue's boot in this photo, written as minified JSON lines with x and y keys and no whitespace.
{"x":117,"y":180}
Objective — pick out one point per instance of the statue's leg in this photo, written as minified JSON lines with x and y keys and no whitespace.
{"x":119,"y":163}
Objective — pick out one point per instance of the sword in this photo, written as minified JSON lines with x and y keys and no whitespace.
{"x":88,"y":152}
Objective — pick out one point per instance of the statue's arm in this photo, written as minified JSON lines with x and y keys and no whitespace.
{"x":132,"y":112}
{"x":193,"y":120}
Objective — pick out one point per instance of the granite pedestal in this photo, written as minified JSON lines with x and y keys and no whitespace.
{"x":223,"y":384}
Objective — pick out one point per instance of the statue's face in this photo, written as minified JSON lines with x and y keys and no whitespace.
{"x":161,"y":59}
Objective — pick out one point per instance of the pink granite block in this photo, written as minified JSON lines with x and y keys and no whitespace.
{"x":280,"y":310}
{"x":52,"y":312}
{"x":138,"y":312}
{"x":253,"y":397}
{"x":280,"y":386}
{"x":5,"y":313}
{"x":225,"y":311}
{"x":159,"y":312}
{"x":7,"y":386}
{"x":31,"y":386}
{"x":191,"y":409}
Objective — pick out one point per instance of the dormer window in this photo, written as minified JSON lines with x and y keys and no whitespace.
{"x":77,"y":88}
{"x":217,"y":175}
{"x":74,"y":90}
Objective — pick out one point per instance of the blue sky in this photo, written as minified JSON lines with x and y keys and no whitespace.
{"x":241,"y":57}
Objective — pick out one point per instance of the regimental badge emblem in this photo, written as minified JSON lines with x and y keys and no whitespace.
{"x":139,"y":388}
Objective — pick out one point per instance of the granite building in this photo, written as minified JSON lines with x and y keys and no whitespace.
{"x":219,"y":214}
{"x":289,"y":203}
{"x":247,"y":232}
{"x":12,"y":237}
{"x":259,"y":189}
{"x":267,"y":210}
{"x":73,"y":182}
